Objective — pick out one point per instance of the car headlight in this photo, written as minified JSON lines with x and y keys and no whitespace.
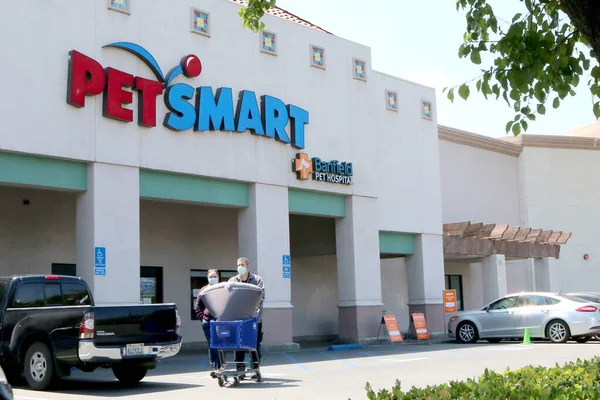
{"x":454,"y":318}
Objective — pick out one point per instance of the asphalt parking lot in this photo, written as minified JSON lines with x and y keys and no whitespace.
{"x":321,"y":374}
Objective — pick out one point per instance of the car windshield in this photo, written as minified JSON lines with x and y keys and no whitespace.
{"x":575,"y":299}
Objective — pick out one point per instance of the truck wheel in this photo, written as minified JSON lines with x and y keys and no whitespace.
{"x":39,"y":366}
{"x":129,"y":375}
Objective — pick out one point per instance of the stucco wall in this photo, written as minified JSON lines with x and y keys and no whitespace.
{"x":315,"y":297}
{"x":394,"y":286}
{"x":562,"y":192}
{"x":34,"y":236}
{"x":478,"y":185}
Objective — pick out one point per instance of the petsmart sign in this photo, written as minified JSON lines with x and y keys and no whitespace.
{"x":209,"y":111}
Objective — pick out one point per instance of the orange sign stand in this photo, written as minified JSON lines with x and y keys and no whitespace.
{"x":420,"y":326}
{"x":392,"y":327}
{"x":450,"y":301}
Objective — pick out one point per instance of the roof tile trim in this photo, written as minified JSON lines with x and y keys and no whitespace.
{"x":284,"y":14}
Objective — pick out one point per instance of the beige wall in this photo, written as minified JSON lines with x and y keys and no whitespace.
{"x":314,"y":297}
{"x":394,"y":287}
{"x":34,"y":236}
{"x":561,"y":192}
{"x":478,"y":185}
{"x":182,"y":237}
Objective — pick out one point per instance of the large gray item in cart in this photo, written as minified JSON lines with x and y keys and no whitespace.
{"x":231,"y":301}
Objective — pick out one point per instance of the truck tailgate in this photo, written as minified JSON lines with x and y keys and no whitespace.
{"x":120,"y":325}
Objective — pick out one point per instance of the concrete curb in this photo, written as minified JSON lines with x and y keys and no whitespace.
{"x":195,"y":347}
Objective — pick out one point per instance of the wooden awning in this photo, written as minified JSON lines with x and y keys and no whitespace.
{"x":471,"y":239}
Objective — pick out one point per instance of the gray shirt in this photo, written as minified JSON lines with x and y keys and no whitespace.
{"x":253,"y":280}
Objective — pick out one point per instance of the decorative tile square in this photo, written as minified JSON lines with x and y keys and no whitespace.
{"x":268,"y":42}
{"x":123,"y":6}
{"x":426,"y":109}
{"x":200,"y":22}
{"x":359,"y":69}
{"x":317,"y":56}
{"x":391,"y":100}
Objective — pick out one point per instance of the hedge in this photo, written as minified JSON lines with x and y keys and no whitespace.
{"x":574,"y":380}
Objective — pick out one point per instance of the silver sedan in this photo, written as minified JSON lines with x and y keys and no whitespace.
{"x":556,"y":317}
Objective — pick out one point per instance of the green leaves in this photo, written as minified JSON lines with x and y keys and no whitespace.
{"x":252,"y":14}
{"x":534,"y":55}
{"x":574,"y":380}
{"x":476,"y":57}
{"x":464,"y":91}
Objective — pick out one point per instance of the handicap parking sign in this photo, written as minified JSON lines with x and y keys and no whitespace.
{"x":286,"y":260}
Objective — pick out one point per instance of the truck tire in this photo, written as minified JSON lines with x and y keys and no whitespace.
{"x":40,"y":372}
{"x":129,"y":375}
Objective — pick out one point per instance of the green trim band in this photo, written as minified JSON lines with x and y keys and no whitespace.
{"x":197,"y":189}
{"x":32,"y":170}
{"x":315,"y":203}
{"x":396,"y":243}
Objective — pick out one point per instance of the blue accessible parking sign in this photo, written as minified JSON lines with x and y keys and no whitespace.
{"x":100,"y":261}
{"x":286,"y":267}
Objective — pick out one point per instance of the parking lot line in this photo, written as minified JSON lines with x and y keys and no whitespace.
{"x":331,"y":356}
{"x":293,"y":359}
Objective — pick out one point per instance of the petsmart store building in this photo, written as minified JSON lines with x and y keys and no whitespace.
{"x":142,"y":145}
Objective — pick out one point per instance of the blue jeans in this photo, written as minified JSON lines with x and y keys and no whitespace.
{"x":213,"y":354}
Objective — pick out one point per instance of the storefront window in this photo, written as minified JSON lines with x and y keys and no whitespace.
{"x":151,"y":284}
{"x":454,"y":282}
{"x":199,"y":279}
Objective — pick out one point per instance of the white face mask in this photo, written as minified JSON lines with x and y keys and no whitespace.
{"x":213,"y":281}
{"x":242,"y":270}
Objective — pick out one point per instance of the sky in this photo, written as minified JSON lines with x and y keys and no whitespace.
{"x":418,"y":40}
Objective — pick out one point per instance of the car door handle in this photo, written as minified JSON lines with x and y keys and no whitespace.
{"x":545,"y":311}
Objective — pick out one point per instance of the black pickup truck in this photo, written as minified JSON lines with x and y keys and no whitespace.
{"x":49,"y":324}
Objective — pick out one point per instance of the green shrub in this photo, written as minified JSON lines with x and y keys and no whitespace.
{"x":575,"y":380}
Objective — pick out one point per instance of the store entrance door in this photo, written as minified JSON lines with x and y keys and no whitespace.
{"x":151,"y":285}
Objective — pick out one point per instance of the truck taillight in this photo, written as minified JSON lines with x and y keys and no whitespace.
{"x":587,"y":309}
{"x":87,"y":326}
{"x":177,"y":322}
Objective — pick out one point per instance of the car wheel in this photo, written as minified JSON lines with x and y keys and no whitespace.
{"x":129,"y":375}
{"x":39,"y":366}
{"x":582,"y":339}
{"x":558,"y":331}
{"x":466,"y":332}
{"x":494,"y":340}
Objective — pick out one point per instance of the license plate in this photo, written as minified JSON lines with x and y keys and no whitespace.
{"x":134,"y":349}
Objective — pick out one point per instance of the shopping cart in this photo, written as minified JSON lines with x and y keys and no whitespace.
{"x":231,"y":336}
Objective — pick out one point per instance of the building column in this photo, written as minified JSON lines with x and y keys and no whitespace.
{"x":264,"y":238}
{"x":546,"y":279}
{"x":108,"y":216}
{"x":358,"y":269}
{"x":425,"y":273}
{"x":494,"y":277}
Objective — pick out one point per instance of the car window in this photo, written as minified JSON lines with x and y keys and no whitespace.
{"x":75,"y":294}
{"x":575,"y":299}
{"x":533,"y":300}
{"x":3,"y":286}
{"x":29,"y":295}
{"x":589,"y":297}
{"x":553,"y":301}
{"x":53,"y":294}
{"x":507,"y":302}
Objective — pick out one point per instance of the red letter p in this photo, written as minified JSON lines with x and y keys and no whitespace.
{"x":86,"y":77}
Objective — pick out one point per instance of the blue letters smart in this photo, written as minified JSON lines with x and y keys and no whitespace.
{"x":215,"y":112}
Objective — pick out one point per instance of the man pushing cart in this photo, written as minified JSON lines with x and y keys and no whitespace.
{"x":237,"y":307}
